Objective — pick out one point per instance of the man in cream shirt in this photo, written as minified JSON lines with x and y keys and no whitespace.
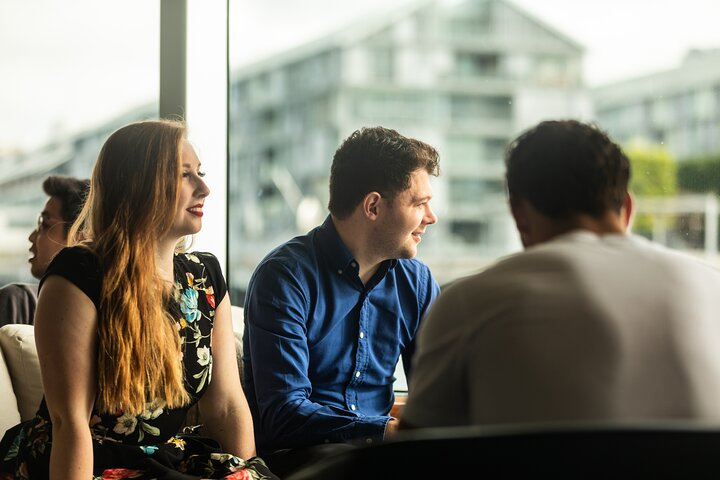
{"x":588,"y":323}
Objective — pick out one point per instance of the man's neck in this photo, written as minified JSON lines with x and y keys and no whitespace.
{"x":608,"y":224}
{"x":353,"y":234}
{"x":536,"y":227}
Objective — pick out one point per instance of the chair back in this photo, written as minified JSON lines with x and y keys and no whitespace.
{"x":657,"y":450}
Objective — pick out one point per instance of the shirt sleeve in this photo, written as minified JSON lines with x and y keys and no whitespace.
{"x":276,"y":311}
{"x":80,"y":267}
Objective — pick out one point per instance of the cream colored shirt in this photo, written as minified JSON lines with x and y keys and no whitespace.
{"x":583,"y":327}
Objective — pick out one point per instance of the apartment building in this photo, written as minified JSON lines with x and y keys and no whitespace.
{"x":465,"y":77}
{"x":679,"y":108}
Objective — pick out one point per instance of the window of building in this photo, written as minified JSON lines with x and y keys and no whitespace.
{"x":383,"y":62}
{"x":470,"y":64}
{"x":463,"y":188}
{"x":480,"y":107}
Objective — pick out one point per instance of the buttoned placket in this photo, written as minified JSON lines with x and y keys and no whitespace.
{"x":361,"y":355}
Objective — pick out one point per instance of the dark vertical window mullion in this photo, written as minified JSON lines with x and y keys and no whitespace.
{"x":173,"y":58}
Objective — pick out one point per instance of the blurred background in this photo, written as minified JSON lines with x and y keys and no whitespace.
{"x":463,"y":75}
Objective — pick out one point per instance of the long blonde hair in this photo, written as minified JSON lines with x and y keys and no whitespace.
{"x":132,"y":202}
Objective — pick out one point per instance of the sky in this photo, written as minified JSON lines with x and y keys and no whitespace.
{"x":69,"y":64}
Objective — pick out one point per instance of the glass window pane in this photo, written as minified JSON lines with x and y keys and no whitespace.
{"x":73,"y":72}
{"x":467,"y":76}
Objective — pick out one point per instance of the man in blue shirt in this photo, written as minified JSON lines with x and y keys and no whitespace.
{"x":328,"y":314}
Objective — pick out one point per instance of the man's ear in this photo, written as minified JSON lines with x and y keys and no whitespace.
{"x":627,"y":210}
{"x":519,"y":211}
{"x":370,"y":205}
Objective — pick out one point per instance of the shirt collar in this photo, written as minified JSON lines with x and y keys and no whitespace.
{"x":333,"y":247}
{"x":336,"y":251}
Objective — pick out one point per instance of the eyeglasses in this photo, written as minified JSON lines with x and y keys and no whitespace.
{"x":44,"y":225}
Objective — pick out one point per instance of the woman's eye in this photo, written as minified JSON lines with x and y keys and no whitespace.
{"x":199,"y":174}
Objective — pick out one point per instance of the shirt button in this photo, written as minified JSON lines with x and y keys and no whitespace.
{"x":357,"y":374}
{"x":353,"y":407}
{"x":362,"y":335}
{"x":339,"y":272}
{"x":353,"y":264}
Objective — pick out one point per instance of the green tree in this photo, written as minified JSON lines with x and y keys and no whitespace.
{"x":701,"y":175}
{"x":654,"y":173}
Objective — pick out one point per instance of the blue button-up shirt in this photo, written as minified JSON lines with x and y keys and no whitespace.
{"x":320,"y":348}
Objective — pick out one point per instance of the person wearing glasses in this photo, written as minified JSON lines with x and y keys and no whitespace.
{"x":66,"y":196}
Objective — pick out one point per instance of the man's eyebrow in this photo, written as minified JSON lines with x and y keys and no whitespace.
{"x":422,"y":197}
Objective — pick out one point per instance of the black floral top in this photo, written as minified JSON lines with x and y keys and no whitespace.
{"x":151,"y":444}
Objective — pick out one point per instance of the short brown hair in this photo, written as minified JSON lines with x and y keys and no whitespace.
{"x":71,"y":192}
{"x":376,"y":159}
{"x":567,"y":167}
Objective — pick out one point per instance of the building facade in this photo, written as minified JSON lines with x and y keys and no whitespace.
{"x":678,"y":108}
{"x":465,"y":77}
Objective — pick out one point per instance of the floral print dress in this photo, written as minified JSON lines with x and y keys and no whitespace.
{"x":154,"y":444}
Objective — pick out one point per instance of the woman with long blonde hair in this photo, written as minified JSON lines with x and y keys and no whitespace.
{"x":131,"y":332}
